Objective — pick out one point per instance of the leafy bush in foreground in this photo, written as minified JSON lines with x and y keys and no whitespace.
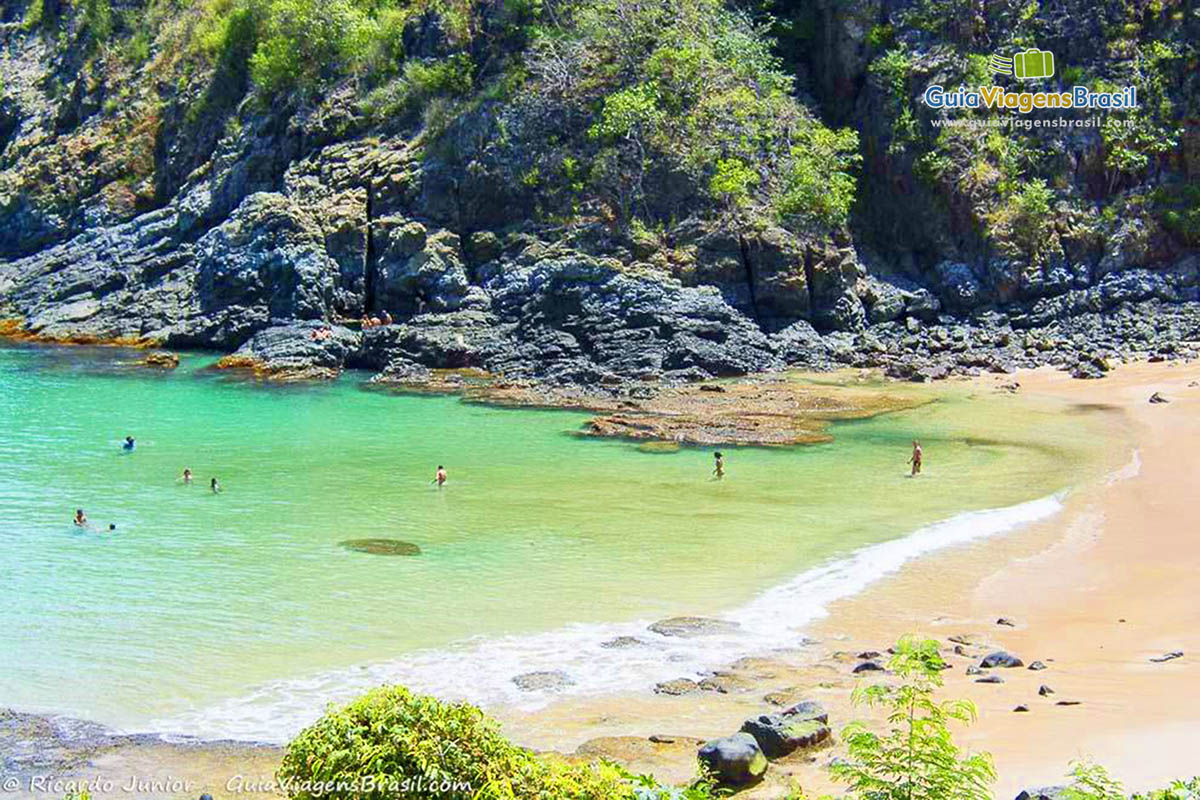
{"x":391,"y":742}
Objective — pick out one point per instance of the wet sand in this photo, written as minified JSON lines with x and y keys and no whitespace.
{"x":1094,"y":592}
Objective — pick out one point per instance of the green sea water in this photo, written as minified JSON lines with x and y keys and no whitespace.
{"x":238,"y":614}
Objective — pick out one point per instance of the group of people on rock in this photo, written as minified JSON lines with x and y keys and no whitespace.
{"x":384,"y":318}
{"x":320,"y":334}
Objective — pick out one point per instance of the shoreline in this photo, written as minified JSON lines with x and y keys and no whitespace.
{"x":967,"y":583}
{"x":1061,"y":580}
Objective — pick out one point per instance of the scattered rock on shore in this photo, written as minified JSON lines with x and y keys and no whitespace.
{"x":735,"y":760}
{"x":1006,"y":621}
{"x":677,"y":686}
{"x":803,"y":725}
{"x":1171,"y":656}
{"x":990,"y":679}
{"x":1037,"y":666}
{"x":1001,"y":658}
{"x":1158,"y":398}
{"x":868,"y":666}
{"x":1045,"y":691}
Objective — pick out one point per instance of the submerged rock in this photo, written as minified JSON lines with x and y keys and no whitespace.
{"x":735,"y":760}
{"x":688,"y":627}
{"x":543,"y":681}
{"x":622,"y":641}
{"x":381,"y":547}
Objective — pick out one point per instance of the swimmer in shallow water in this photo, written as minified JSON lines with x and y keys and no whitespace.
{"x":719,"y":460}
{"x":216,"y":487}
{"x":916,"y":459}
{"x":112,"y":526}
{"x":80,"y":518}
{"x":186,"y":477}
{"x":440,"y":476}
{"x":129,"y":443}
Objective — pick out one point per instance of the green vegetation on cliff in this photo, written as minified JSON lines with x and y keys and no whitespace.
{"x":565,"y":115}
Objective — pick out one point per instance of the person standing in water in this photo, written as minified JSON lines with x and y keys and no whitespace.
{"x":216,"y":487}
{"x":129,"y":443}
{"x":80,"y":518}
{"x":186,"y":477}
{"x":916,"y":459}
{"x":440,"y":476}
{"x":719,"y":460}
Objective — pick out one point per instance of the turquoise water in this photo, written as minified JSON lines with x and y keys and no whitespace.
{"x":199,"y":601}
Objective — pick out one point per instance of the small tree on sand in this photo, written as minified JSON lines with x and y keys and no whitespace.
{"x":916,"y":759}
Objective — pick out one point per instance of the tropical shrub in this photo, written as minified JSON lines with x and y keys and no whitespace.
{"x":393,"y":743}
{"x":916,"y":759}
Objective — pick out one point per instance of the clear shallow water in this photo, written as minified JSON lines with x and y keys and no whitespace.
{"x":238,"y":615}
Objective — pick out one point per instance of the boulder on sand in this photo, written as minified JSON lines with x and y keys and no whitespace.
{"x":735,"y":760}
{"x":803,"y":725}
{"x":1000,"y":658}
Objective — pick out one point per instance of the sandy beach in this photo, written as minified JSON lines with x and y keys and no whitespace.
{"x":1094,"y":592}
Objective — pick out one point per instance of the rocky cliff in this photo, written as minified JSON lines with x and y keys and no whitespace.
{"x":596,"y":191}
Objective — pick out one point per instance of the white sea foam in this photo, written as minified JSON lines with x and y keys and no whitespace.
{"x":481,"y":670}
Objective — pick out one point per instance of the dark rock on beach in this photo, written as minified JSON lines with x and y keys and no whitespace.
{"x":1037,"y":666}
{"x":1043,"y":793}
{"x":1000,"y":658}
{"x":779,"y":734}
{"x":990,"y":679}
{"x":735,"y":760}
{"x":1171,"y":656}
{"x":867,"y":666}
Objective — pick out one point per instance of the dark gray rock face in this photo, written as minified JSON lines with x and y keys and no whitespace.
{"x":805,"y":724}
{"x":1000,"y":658}
{"x":735,"y":760}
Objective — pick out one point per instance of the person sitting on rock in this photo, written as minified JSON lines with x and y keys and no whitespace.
{"x":385,"y":317}
{"x":376,"y":322}
{"x":366,"y":322}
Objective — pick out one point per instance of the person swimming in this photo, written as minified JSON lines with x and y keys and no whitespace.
{"x":916,"y":459}
{"x":81,"y":519}
{"x":129,"y":443}
{"x":112,"y":526}
{"x":440,"y":477}
{"x":719,"y":461}
{"x":216,"y":487}
{"x":186,"y":477}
